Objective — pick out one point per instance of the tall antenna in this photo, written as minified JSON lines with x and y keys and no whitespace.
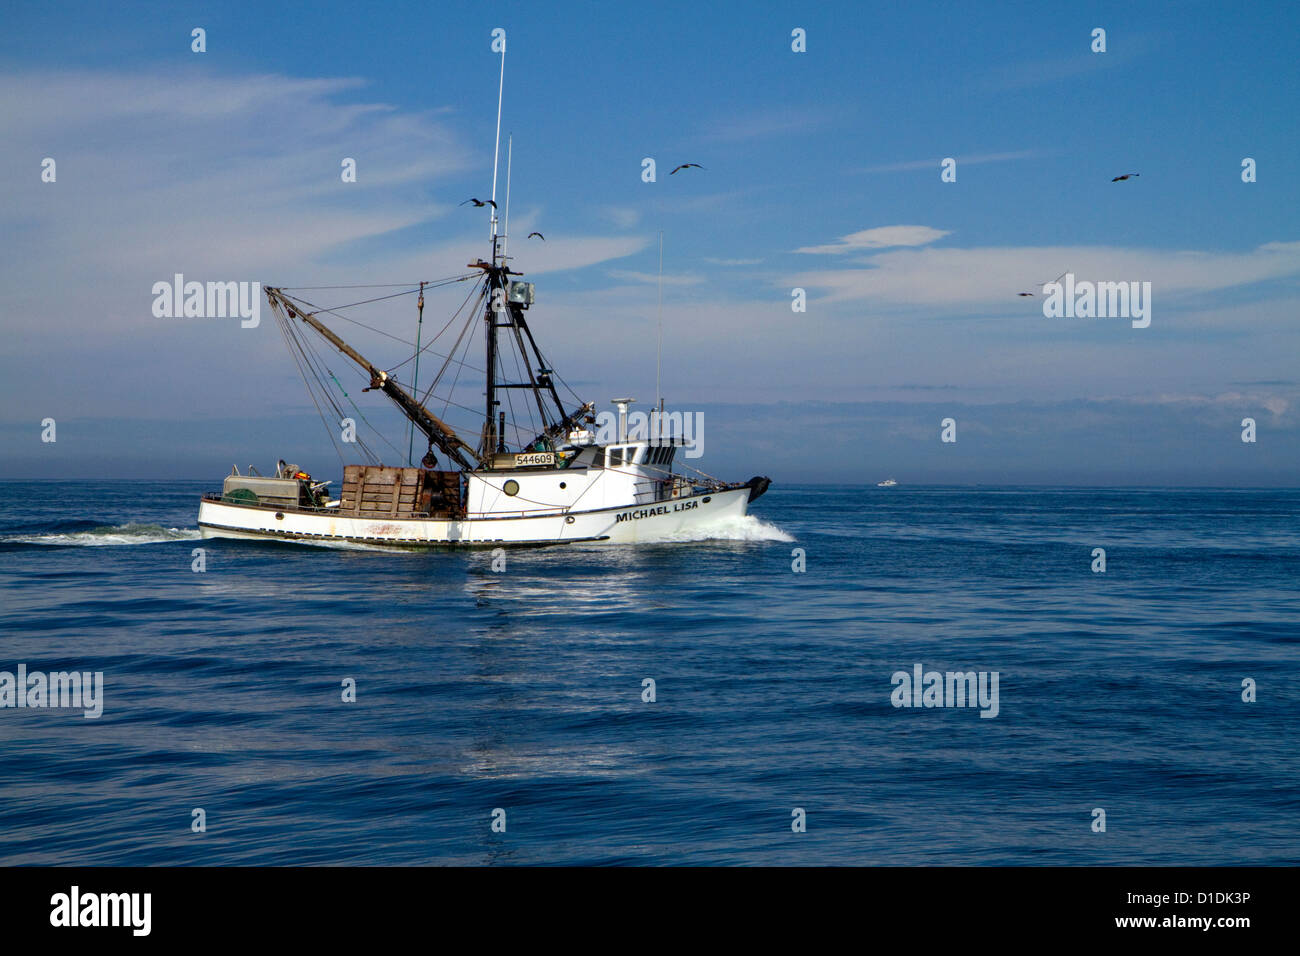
{"x":505,"y":240}
{"x":496,"y":152}
{"x":659,"y":355}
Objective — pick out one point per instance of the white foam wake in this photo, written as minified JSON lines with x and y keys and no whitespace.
{"x":113,"y":535}
{"x":743,"y":528}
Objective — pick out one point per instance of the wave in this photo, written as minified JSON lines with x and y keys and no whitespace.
{"x":132,"y":533}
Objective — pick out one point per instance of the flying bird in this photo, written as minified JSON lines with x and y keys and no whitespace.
{"x":1046,"y":284}
{"x":1118,"y":179}
{"x":538,"y":235}
{"x":686,"y":166}
{"x":480,"y":202}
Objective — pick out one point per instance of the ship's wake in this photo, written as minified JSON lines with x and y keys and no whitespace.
{"x":743,"y":528}
{"x":109,"y":535}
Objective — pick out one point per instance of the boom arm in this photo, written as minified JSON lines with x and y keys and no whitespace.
{"x":437,"y":431}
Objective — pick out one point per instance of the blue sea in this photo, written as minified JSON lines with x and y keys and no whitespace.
{"x":521,"y":690}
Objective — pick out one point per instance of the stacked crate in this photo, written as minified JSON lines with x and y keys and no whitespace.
{"x":375,"y":491}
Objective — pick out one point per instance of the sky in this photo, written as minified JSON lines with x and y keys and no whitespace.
{"x":822,"y":172}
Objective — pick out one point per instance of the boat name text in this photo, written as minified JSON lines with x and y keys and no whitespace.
{"x":654,"y":512}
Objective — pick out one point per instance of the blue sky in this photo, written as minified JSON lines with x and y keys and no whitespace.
{"x":224,"y":165}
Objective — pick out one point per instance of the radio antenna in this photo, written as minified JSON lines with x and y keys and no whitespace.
{"x":659,"y":355}
{"x":496,"y":152}
{"x":505,"y":238}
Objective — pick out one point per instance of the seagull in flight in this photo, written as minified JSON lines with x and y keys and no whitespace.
{"x":480,"y":202}
{"x":538,"y":235}
{"x":1119,"y":179}
{"x":686,"y":166}
{"x":1046,"y":284}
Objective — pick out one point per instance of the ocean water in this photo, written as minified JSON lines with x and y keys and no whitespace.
{"x":522,"y":689}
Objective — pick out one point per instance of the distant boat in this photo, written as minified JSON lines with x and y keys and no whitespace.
{"x":887,"y":483}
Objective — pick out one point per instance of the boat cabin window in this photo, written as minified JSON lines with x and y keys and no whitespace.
{"x":589,"y":458}
{"x":660,"y":455}
{"x":624,"y":455}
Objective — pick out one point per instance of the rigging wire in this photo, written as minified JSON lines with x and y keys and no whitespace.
{"x":360,"y":414}
{"x":469,"y":341}
{"x":317,"y":365}
{"x":453,"y":318}
{"x":460,"y":365}
{"x":394,"y":295}
{"x":315,"y":309}
{"x":373,"y":285}
{"x":449,"y":358}
{"x":320,"y":365}
{"x":286,"y":332}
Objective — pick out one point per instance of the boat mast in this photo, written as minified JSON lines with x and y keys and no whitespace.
{"x":502,"y":313}
{"x":493,"y":439}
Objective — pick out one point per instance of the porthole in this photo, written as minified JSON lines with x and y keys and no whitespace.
{"x":563,"y":485}
{"x":568,"y":519}
{"x":511,"y":487}
{"x":279,"y":516}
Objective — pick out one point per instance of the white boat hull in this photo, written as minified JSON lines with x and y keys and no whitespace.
{"x":628,"y":524}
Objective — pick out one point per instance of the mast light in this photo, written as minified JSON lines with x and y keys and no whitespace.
{"x":521,"y":293}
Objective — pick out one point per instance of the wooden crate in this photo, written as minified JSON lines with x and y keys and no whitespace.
{"x":375,"y":491}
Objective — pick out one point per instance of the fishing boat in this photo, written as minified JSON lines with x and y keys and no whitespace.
{"x":887,"y":483}
{"x":547,"y":477}
{"x":561,"y":485}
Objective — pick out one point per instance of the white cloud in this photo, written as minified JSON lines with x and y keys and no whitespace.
{"x":225,"y":178}
{"x":231,"y":178}
{"x":974,"y":160}
{"x":978,"y":280}
{"x":624,"y":275}
{"x":882,"y":237}
{"x":621,"y":216}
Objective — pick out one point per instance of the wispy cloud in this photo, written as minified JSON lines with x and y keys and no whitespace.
{"x":1054,"y":69}
{"x":973,"y":160}
{"x":979,"y":279}
{"x":1274,"y":403}
{"x":623,"y":217}
{"x":882,"y":237}
{"x":235,"y":177}
{"x":625,"y":275}
{"x":194,"y":171}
